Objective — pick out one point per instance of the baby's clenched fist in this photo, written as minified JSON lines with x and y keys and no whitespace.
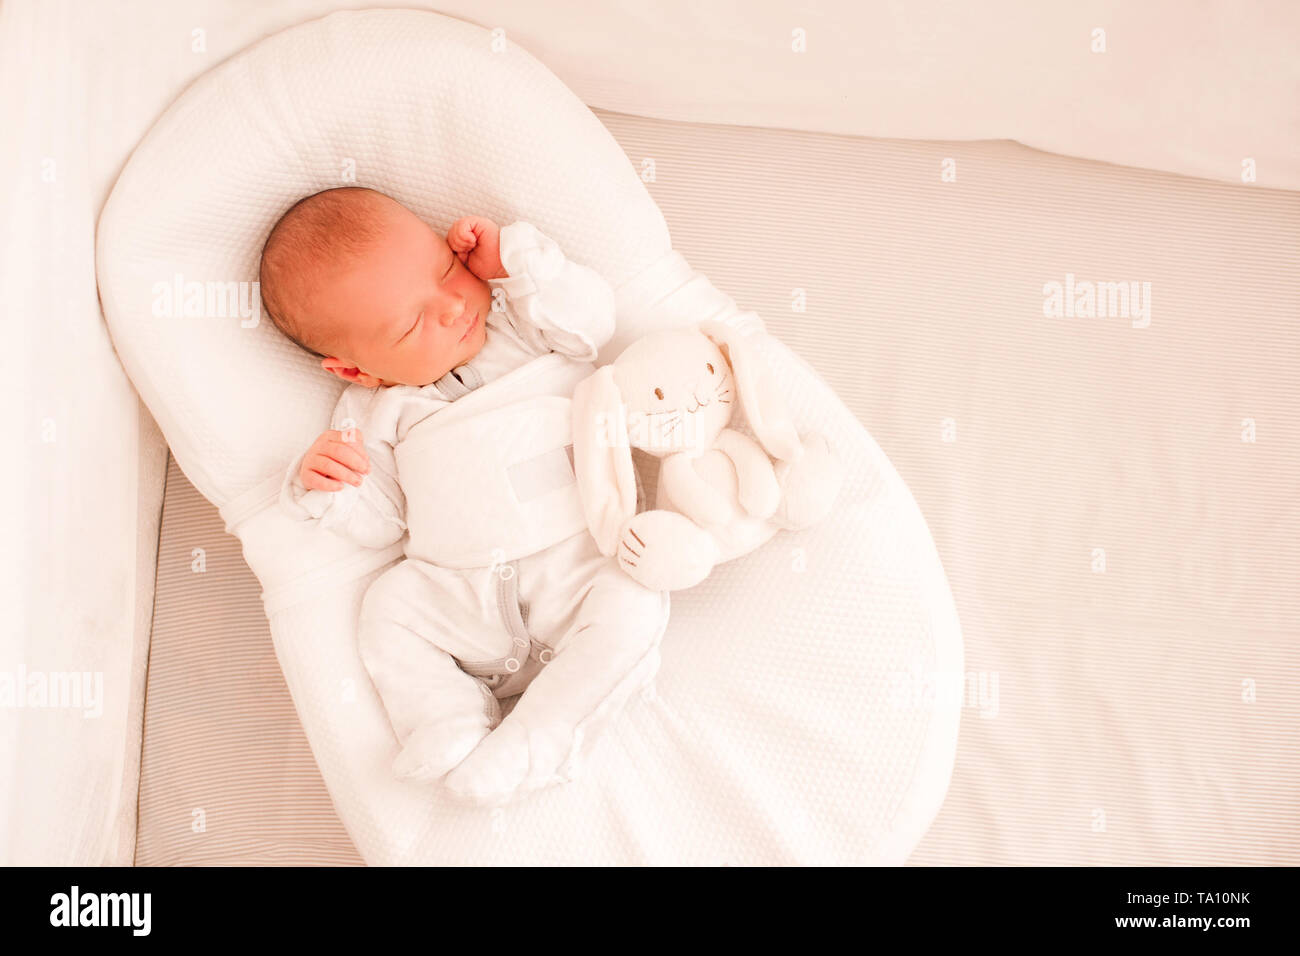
{"x":476,"y":241}
{"x":334,"y":458}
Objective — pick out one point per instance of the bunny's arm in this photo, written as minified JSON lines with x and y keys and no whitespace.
{"x":695,"y":497}
{"x":559,"y":305}
{"x":758,"y":490}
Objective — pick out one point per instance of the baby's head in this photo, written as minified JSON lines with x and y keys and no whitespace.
{"x":359,"y":280}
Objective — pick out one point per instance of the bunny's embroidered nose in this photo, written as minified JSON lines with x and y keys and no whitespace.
{"x":698,"y":404}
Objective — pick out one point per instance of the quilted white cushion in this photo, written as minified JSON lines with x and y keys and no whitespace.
{"x":801,"y":712}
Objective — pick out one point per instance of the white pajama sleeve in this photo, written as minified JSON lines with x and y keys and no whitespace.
{"x":562,"y":306}
{"x":372,"y":513}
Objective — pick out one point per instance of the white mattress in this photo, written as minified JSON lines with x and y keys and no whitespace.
{"x":227,"y":776}
{"x":1118,"y":694}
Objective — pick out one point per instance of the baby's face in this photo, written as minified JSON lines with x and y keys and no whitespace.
{"x":405,"y":311}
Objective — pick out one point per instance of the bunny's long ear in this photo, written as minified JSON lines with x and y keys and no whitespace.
{"x":764,"y":406}
{"x":602,"y":458}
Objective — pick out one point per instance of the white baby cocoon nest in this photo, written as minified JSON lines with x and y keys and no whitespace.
{"x":800,"y":712}
{"x":502,"y":591}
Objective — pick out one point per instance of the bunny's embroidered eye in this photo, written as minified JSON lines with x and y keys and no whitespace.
{"x":659,"y":394}
{"x":710,"y":366}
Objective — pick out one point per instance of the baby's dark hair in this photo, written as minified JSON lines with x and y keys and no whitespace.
{"x":323,"y":228}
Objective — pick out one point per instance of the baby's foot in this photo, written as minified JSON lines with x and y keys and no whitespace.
{"x":510,"y":761}
{"x":516,"y":759}
{"x":431,"y":751}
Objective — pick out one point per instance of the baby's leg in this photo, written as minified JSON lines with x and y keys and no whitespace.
{"x":438,"y":712}
{"x":608,"y":650}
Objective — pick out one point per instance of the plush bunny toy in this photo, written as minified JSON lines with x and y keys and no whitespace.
{"x":720,"y":496}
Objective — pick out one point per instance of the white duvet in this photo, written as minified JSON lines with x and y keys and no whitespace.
{"x":776,"y":732}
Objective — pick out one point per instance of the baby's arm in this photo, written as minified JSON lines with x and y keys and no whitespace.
{"x":348,"y":478}
{"x":563,"y":306}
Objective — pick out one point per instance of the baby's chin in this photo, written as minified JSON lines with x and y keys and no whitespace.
{"x":469,"y":348}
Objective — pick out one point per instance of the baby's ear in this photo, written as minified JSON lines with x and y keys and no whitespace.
{"x":344,"y":370}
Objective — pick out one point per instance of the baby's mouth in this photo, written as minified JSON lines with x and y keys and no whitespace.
{"x":469,"y":328}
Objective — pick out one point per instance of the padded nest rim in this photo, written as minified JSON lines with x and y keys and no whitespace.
{"x":770,"y":738}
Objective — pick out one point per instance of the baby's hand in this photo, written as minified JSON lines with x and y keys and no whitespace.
{"x":334,"y":458}
{"x":477,"y":243}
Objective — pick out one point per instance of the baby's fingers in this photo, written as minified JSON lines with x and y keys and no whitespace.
{"x":330,"y":468}
{"x":350,"y":456}
{"x":461,"y":236}
{"x":315,"y":481}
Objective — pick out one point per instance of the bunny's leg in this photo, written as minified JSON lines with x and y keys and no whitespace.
{"x":809,"y":485}
{"x":438,"y":712}
{"x":601,"y":632}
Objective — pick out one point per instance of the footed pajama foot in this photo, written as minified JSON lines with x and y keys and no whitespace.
{"x":515,"y":759}
{"x":431,"y":751}
{"x":510,"y":761}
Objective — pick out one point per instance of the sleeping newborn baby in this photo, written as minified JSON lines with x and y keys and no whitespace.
{"x":454,"y":434}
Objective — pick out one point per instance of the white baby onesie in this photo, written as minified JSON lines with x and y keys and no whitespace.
{"x":548,"y":303}
{"x":446,"y":645}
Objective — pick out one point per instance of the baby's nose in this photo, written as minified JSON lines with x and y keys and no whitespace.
{"x":451,"y":314}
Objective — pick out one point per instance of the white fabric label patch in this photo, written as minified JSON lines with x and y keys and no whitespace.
{"x":538,"y":476}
